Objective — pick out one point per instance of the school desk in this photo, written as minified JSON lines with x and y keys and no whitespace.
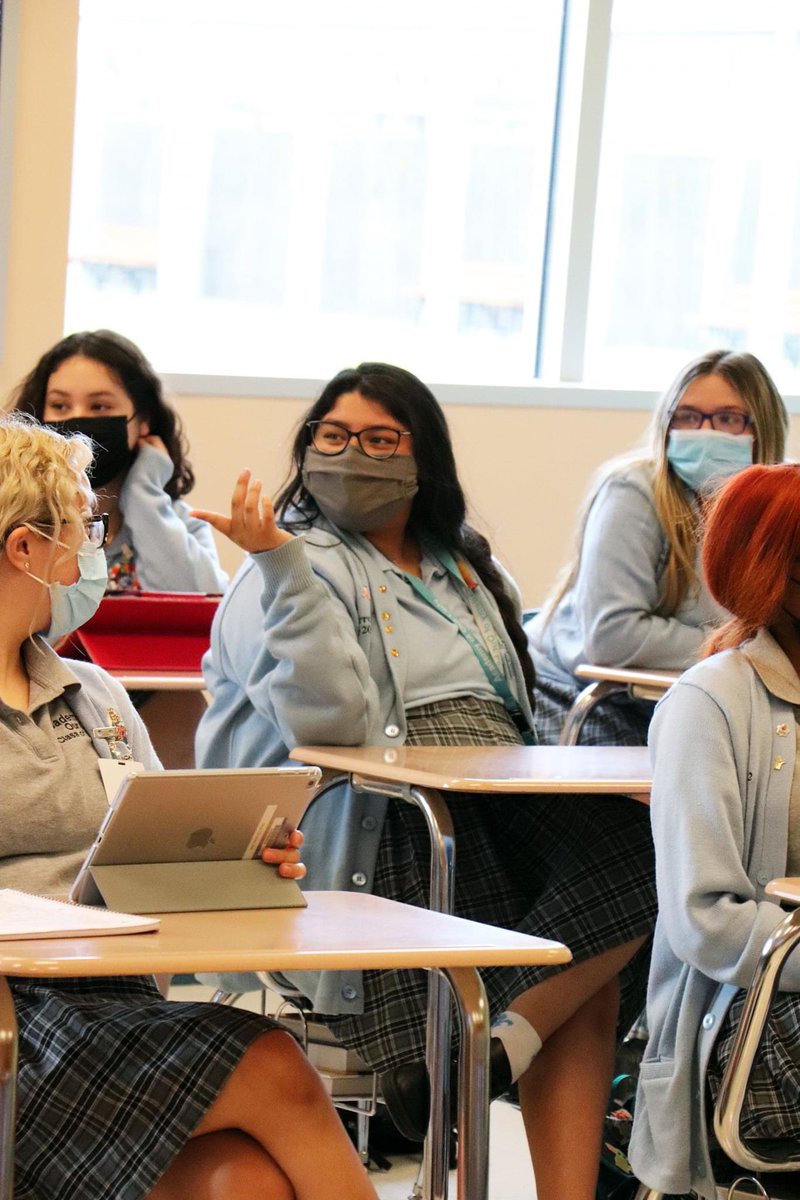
{"x":424,"y":776}
{"x":337,"y":931}
{"x":636,"y":682}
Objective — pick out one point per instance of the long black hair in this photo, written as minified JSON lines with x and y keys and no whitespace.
{"x":438,"y":511}
{"x":129,"y":366}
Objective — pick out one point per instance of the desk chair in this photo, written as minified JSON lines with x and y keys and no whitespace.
{"x":772,"y":1168}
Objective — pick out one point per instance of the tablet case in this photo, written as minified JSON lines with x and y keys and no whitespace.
{"x":195,"y":886}
{"x":146,"y":631}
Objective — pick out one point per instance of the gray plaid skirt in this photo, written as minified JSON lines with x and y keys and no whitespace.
{"x":113,"y":1079}
{"x":616,"y":721}
{"x":772,"y":1104}
{"x":578,"y":869}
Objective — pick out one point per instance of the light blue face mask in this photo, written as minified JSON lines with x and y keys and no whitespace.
{"x":72,"y":604}
{"x":704,"y":459}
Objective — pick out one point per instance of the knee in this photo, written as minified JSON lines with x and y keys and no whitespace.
{"x":244,"y":1169}
{"x":276,"y":1056}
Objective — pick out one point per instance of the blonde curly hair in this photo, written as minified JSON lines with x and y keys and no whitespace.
{"x":42,"y":478}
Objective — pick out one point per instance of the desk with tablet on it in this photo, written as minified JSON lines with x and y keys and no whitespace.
{"x":337,"y":931}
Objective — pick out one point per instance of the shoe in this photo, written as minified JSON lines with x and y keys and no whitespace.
{"x":407,"y":1092}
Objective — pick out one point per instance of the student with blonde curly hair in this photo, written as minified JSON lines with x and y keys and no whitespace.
{"x":633,"y":595}
{"x":120,"y":1092}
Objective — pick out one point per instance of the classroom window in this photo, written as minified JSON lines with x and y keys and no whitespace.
{"x":281,"y":190}
{"x":697,"y":232}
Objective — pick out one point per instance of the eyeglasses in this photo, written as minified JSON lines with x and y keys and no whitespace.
{"x":724,"y":420}
{"x":329,"y":437}
{"x":96,"y":528}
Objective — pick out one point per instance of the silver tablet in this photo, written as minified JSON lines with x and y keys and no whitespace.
{"x":176,"y":841}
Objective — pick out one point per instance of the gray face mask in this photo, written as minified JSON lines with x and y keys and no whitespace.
{"x":358,"y":493}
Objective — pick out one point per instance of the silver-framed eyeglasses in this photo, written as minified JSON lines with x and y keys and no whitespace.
{"x":724,"y":420}
{"x":378,"y":441}
{"x":96,"y":527}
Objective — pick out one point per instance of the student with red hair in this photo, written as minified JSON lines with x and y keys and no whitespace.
{"x":726,"y":820}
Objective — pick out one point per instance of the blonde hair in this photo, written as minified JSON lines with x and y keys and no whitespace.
{"x":41,"y":476}
{"x":679,"y":517}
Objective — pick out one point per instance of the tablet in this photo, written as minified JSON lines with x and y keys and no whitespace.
{"x":190,"y":841}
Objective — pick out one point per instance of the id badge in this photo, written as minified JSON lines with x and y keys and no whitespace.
{"x":114,"y":771}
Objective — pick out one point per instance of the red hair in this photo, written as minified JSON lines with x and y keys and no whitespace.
{"x":752,"y":536}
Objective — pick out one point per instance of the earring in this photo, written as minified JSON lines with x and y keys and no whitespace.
{"x":27,"y":566}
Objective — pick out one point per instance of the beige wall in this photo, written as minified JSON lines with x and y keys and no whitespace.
{"x":524,"y":469}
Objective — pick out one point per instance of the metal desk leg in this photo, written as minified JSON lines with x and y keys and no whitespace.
{"x":583,"y":705}
{"x":8,"y":1089}
{"x":438,"y":1040}
{"x":473,"y":1083}
{"x":736,"y":1078}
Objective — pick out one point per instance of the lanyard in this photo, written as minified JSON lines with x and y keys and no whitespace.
{"x":489,"y":652}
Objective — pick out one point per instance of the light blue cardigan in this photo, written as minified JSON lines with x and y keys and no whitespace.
{"x":301,"y":656}
{"x":174,"y":551}
{"x":723,"y":747}
{"x":609,"y":616}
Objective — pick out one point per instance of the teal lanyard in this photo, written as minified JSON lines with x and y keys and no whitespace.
{"x":489,"y":652}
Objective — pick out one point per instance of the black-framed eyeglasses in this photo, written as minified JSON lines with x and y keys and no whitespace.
{"x":378,"y":441}
{"x":724,"y":420}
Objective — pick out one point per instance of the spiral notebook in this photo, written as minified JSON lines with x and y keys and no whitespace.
{"x":24,"y":916}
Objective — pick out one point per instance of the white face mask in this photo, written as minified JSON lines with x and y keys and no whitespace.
{"x":72,"y":604}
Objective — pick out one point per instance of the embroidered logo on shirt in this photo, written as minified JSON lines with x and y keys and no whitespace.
{"x":364,"y":626}
{"x":67,"y":727}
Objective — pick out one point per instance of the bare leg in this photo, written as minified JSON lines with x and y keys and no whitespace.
{"x":222,"y":1166}
{"x":276,"y":1097}
{"x":563,"y":1096}
{"x":564,"y":1092}
{"x":549,"y":1004}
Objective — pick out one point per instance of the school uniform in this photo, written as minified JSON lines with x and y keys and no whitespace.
{"x":610,"y":615}
{"x":112,"y":1078}
{"x":726,"y":793}
{"x":324,"y":641}
{"x":160,"y":547}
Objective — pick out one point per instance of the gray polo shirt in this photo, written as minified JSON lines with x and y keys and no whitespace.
{"x":51,"y":793}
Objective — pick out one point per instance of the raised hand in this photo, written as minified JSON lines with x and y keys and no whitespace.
{"x":252,"y":524}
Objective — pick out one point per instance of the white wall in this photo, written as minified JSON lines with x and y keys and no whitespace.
{"x":524,"y":469}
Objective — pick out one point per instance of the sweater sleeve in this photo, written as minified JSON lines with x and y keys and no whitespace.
{"x":708,"y":907}
{"x":309,"y":674}
{"x":618,"y":584}
{"x":174,"y":552}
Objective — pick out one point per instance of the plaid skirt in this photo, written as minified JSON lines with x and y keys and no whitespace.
{"x":112,"y":1081}
{"x":772,"y":1104}
{"x":618,"y":720}
{"x":578,"y":869}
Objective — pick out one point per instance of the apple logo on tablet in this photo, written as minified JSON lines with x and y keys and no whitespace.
{"x":200,"y":839}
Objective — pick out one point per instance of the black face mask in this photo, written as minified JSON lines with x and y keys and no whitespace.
{"x":112,"y":456}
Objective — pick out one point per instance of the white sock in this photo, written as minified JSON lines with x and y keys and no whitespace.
{"x":520,"y":1041}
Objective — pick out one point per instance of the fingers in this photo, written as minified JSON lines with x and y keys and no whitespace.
{"x":292,"y":871}
{"x":217,"y":520}
{"x":271,"y":855}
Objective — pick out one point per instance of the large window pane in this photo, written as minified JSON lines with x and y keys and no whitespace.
{"x":697,"y":241}
{"x":271,"y":189}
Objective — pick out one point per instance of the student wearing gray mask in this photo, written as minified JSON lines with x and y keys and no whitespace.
{"x":370,"y":613}
{"x":633,"y":594}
